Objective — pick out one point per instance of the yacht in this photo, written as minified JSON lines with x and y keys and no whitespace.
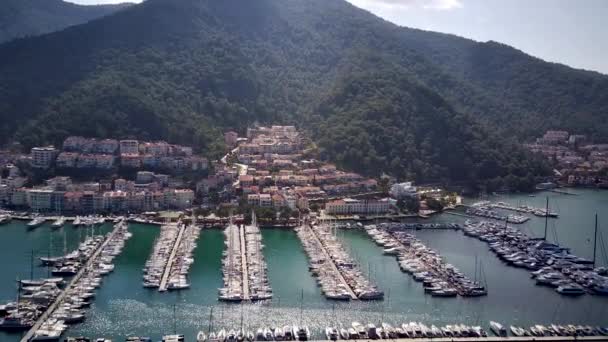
{"x":301,"y":333}
{"x":58,"y":223}
{"x":498,"y":329}
{"x":279,"y":335}
{"x":5,"y":219}
{"x":173,"y":338}
{"x":36,"y":222}
{"x":344,"y":334}
{"x":15,"y":323}
{"x":571,"y":290}
{"x":331,"y":334}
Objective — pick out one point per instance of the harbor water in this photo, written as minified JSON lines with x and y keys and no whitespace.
{"x":123,"y":307}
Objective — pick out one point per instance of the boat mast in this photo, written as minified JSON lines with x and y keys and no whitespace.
{"x":595,"y":240}
{"x":210,"y":321}
{"x":546,"y":218}
{"x":301,"y":305}
{"x":32,"y":265}
{"x":174,"y":321}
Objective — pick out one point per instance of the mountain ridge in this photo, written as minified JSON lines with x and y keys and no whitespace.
{"x":185,"y":70}
{"x":23,"y":18}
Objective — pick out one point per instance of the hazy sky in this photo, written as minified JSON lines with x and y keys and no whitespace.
{"x":573,"y":32}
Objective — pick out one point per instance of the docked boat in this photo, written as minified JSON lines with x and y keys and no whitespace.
{"x":36,"y":222}
{"x":498,"y":329}
{"x":60,"y":222}
{"x":571,"y":290}
{"x":201,"y":337}
{"x":5,"y":219}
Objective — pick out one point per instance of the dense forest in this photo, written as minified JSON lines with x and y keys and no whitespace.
{"x":22,"y":18}
{"x":376,"y":97}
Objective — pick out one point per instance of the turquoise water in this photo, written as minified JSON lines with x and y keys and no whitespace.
{"x":123,"y":307}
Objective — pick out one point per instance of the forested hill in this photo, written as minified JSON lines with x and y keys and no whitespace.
{"x":21,"y":18}
{"x":410,"y":102}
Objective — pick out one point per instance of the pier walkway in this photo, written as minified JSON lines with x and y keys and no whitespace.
{"x":244,"y":263}
{"x":30,"y":334}
{"x":459,"y":214}
{"x":491,"y":339}
{"x":333,"y":264}
{"x":165,"y":278}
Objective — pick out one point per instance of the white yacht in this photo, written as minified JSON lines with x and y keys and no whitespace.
{"x":498,"y":329}
{"x":571,"y":290}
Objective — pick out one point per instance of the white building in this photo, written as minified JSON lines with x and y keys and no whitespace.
{"x":349,"y":206}
{"x":43,"y":157}
{"x":129,"y":147}
{"x":183,"y":198}
{"x":39,"y":200}
{"x":403,"y":190}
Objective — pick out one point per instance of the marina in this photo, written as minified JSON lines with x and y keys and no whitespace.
{"x":338,"y":275}
{"x":551,"y":264}
{"x":439,"y":278}
{"x":257,"y":270}
{"x":157,"y":268}
{"x":244,"y":268}
{"x":44,"y":308}
{"x":236,"y":281}
{"x":178,"y":266}
{"x":486,"y":210}
{"x":121,"y":307}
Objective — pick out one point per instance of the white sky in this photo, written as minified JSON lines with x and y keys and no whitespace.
{"x":572,"y":32}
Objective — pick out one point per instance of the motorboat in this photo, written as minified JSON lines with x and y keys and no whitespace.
{"x":571,"y":290}
{"x":498,"y":329}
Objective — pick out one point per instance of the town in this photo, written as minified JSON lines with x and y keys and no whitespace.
{"x":578,"y":161}
{"x":272,"y":169}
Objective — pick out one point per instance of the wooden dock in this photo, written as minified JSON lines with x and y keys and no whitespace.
{"x":167,"y":272}
{"x":333,"y":264}
{"x":30,"y":334}
{"x":244,"y":264}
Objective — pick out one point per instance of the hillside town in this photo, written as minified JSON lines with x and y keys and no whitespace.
{"x":577,"y":161}
{"x":271,"y":169}
{"x":156,"y":184}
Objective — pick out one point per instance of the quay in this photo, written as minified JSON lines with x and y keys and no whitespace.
{"x":561,"y":192}
{"x":244,"y":264}
{"x":43,"y":318}
{"x":492,"y":339}
{"x":176,"y":244}
{"x":458,"y":214}
{"x":232,"y":265}
{"x":332,"y":263}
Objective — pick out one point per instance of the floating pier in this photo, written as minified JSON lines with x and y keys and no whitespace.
{"x":551,"y":264}
{"x":84,"y":270}
{"x":233,"y":265}
{"x":256,"y":270}
{"x":440,"y":279}
{"x":176,"y":244}
{"x":156,"y":269}
{"x":337,"y":274}
{"x":244,"y":267}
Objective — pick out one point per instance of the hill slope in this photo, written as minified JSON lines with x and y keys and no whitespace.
{"x":21,"y":18}
{"x":406,"y":101}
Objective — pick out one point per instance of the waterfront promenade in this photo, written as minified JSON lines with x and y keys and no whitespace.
{"x":165,"y":278}
{"x":30,"y":334}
